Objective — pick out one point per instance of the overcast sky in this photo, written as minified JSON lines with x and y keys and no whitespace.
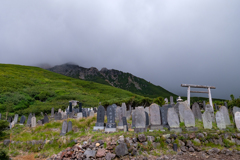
{"x":165,"y":42}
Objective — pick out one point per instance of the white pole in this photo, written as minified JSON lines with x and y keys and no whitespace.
{"x":210,"y":97}
{"x":188,"y":95}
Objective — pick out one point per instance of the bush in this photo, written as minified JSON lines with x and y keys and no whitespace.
{"x":3,"y":155}
{"x":3,"y":126}
{"x":159,"y":100}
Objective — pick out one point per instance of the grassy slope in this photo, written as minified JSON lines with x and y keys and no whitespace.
{"x":25,"y":89}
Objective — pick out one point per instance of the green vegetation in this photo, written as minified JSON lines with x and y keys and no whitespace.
{"x":26,"y":89}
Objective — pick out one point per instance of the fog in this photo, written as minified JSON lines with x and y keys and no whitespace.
{"x":165,"y":42}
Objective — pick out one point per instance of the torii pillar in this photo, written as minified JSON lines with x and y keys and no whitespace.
{"x":198,"y":86}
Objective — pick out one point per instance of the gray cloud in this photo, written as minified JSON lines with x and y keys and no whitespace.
{"x":164,"y":42}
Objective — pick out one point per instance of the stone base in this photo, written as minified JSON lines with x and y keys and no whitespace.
{"x":230,"y":126}
{"x":156,"y":127}
{"x":138,"y":130}
{"x":95,"y":128}
{"x":191,"y":129}
{"x":110,"y":130}
{"x":177,"y":130}
{"x":20,"y":124}
{"x":120,"y":127}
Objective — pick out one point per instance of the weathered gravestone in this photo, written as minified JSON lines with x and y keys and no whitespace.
{"x":111,"y":125}
{"x":70,"y":106}
{"x":84,"y":112}
{"x":115,"y":108}
{"x":208,"y":108}
{"x":70,"y":114}
{"x":237,"y":120}
{"x":181,"y":107}
{"x":42,"y":114}
{"x":79,"y":115}
{"x":171,"y":100}
{"x":91,"y":114}
{"x":235,"y":109}
{"x":69,"y":127}
{"x":140,"y":120}
{"x":207,"y":120}
{"x":119,"y":115}
{"x":64,"y":115}
{"x":173,"y":120}
{"x":16,"y":118}
{"x":155,"y":118}
{"x":59,"y":110}
{"x":9,"y":119}
{"x":189,"y":120}
{"x":52,"y":112}
{"x":100,"y":118}
{"x":39,"y":122}
{"x":220,"y":120}
{"x":133,"y":118}
{"x":164,"y":114}
{"x":64,"y":128}
{"x":33,"y":122}
{"x":147,"y":119}
{"x":56,"y":117}
{"x":196,"y":111}
{"x":128,"y":114}
{"x":80,"y":107}
{"x":124,"y":109}
{"x":22,"y":120}
{"x":225,"y":113}
{"x":125,"y":125}
{"x":29,"y":120}
{"x":46,"y":120}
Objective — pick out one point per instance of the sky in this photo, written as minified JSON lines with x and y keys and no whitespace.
{"x":165,"y":42}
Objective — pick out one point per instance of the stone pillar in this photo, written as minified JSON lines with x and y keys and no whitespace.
{"x":188,"y":95}
{"x":210,"y":97}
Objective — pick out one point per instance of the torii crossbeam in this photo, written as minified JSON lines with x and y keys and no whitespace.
{"x":198,"y":86}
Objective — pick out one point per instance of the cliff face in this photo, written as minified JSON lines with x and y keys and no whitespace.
{"x":114,"y":78}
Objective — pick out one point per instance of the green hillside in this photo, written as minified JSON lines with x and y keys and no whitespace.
{"x":25,"y":89}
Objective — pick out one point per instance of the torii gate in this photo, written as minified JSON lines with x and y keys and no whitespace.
{"x":198,"y":86}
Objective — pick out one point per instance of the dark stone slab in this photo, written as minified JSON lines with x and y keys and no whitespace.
{"x":46,"y":120}
{"x":147,"y":119}
{"x":196,"y":111}
{"x":70,"y":106}
{"x":164,"y":112}
{"x":111,"y":125}
{"x":80,"y":107}
{"x":124,"y":119}
{"x":100,"y":116}
{"x":22,"y":120}
{"x":84,"y":112}
{"x":225,"y":104}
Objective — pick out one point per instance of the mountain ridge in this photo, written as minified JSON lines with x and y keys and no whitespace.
{"x":113,"y":77}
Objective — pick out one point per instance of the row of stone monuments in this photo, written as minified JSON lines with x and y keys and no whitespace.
{"x":169,"y":116}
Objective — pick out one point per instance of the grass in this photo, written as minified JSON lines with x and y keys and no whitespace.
{"x":26,"y":89}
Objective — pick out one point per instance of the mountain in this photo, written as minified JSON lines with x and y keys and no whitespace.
{"x":26,"y":89}
{"x":113,"y":78}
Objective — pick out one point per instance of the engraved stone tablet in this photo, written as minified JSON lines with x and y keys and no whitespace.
{"x":225,"y":113}
{"x":237,"y":120}
{"x":189,"y":118}
{"x":207,"y":120}
{"x":196,"y":111}
{"x":173,"y":119}
{"x":220,"y":120}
